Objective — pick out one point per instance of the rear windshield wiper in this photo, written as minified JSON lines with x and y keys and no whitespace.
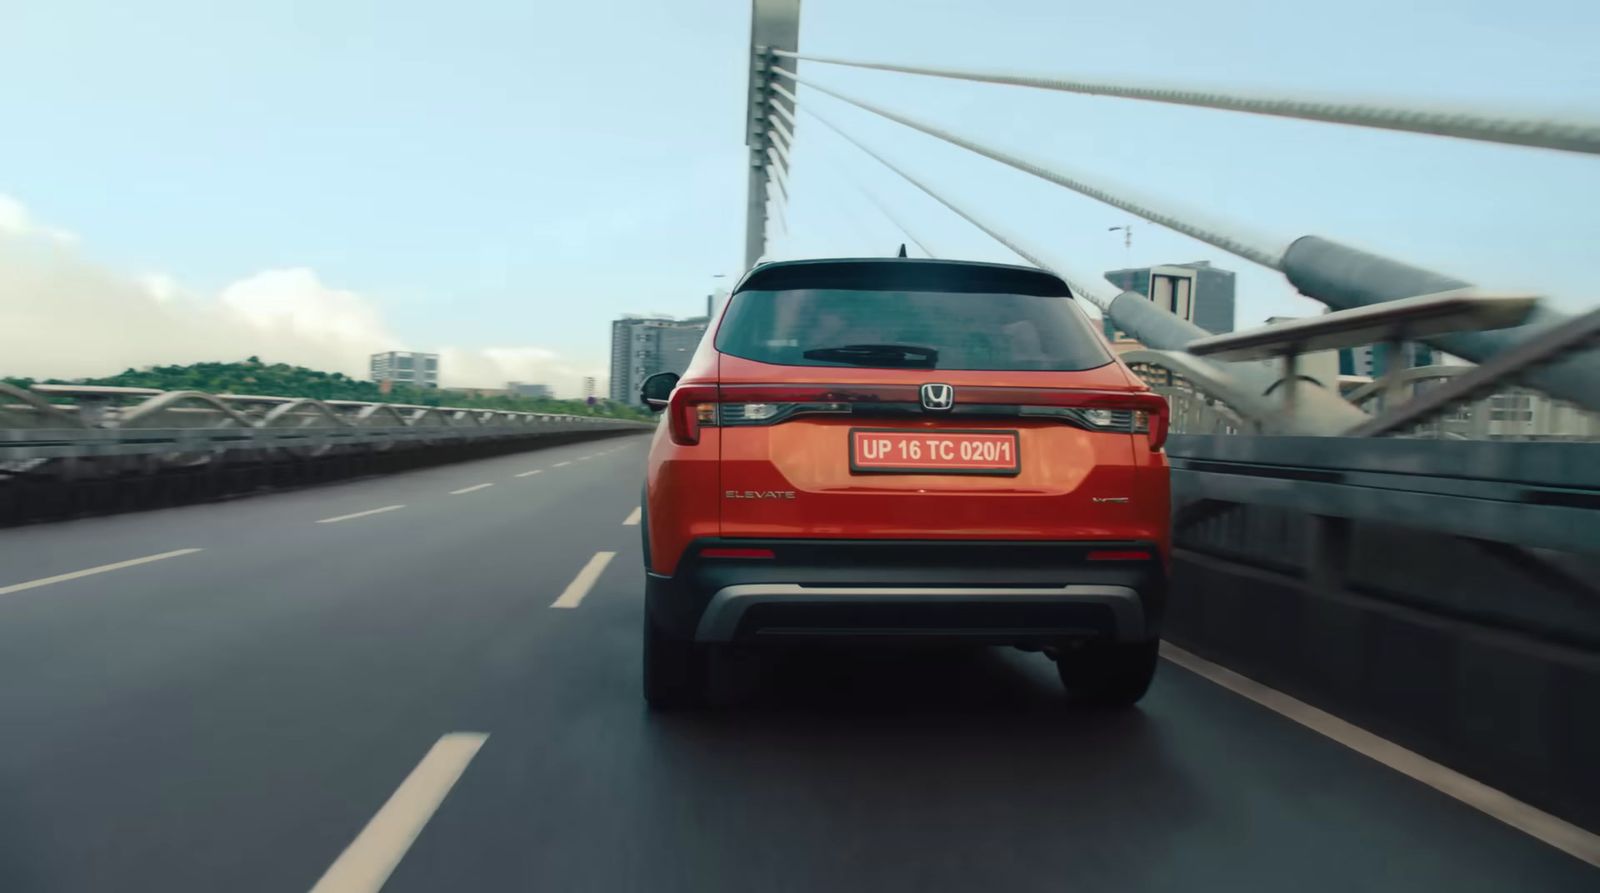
{"x":877,"y":355}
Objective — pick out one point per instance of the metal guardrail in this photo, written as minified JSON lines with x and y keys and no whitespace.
{"x":1539,"y":495}
{"x":185,"y":425}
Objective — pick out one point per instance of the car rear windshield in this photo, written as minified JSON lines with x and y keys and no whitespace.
{"x":936,"y":329}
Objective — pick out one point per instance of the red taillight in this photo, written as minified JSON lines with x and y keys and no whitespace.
{"x":737,"y":553}
{"x":1153,"y":422}
{"x":690,"y":408}
{"x":1150,"y":413}
{"x":1116,"y":555}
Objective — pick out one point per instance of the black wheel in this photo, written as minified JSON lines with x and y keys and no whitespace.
{"x":1108,"y":674}
{"x":674,"y":669}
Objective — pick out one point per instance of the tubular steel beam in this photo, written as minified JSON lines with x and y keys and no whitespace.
{"x":1403,"y":320}
{"x":1503,"y":367}
{"x":1344,"y":277}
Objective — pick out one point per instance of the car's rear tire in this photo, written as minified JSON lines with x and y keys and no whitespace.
{"x":1108,"y":674}
{"x":674,"y":669}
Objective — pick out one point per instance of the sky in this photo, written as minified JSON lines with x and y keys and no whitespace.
{"x":498,"y":179}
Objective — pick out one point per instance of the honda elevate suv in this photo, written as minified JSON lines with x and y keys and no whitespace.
{"x":895,"y":448}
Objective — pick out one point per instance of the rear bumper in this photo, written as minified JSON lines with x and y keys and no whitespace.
{"x":1004,"y":592}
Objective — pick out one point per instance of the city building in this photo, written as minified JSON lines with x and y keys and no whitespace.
{"x":1373,"y":360}
{"x":1196,"y":292}
{"x":588,"y":387}
{"x":1511,"y":414}
{"x":398,"y":367}
{"x":519,"y":389}
{"x":643,"y":346}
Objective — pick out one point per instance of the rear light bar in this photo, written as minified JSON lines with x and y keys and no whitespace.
{"x":693,"y":407}
{"x":1119,"y":555}
{"x":737,"y":553}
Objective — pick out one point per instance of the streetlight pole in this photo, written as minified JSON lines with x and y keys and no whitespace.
{"x":1127,"y":242}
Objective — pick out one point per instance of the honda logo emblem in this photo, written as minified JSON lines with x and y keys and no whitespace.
{"x":938,"y":397}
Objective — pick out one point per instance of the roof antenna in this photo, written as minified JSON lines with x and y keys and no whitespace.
{"x":902,"y":250}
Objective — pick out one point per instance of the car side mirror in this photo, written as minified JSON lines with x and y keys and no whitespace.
{"x":657,"y":389}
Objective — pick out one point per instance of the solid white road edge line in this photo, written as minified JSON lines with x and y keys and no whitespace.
{"x":89,"y":572}
{"x":336,"y":519}
{"x":633,"y":518}
{"x":469,"y":489}
{"x":528,"y":473}
{"x":573,"y":595}
{"x":369,"y":859}
{"x":1562,"y":835}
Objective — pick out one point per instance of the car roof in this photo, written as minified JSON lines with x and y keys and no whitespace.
{"x":903,"y":273}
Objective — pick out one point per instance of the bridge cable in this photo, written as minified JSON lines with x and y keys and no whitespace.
{"x":893,"y":218}
{"x":879,"y":204}
{"x":779,"y":175}
{"x":782,"y":111}
{"x":1249,"y":249}
{"x":776,"y":210}
{"x":1097,"y":299}
{"x":780,"y":129}
{"x":782,"y":153}
{"x":1573,"y":135}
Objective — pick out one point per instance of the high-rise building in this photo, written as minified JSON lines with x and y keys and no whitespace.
{"x":1196,"y":292}
{"x":643,"y":346}
{"x":418,"y":370}
{"x":588,"y":387}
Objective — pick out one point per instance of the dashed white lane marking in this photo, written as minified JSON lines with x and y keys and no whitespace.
{"x":469,"y":489}
{"x":1564,"y":836}
{"x":633,"y":518}
{"x":337,"y":518}
{"x":89,"y":572}
{"x":561,"y":464}
{"x":369,"y":859}
{"x":529,"y":473}
{"x":585,"y":458}
{"x":584,"y":581}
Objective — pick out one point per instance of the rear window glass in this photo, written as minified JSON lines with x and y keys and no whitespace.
{"x":968,"y":330}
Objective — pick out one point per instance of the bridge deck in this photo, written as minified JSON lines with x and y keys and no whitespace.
{"x":230,"y":719}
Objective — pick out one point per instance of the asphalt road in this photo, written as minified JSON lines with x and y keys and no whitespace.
{"x":267,"y":713}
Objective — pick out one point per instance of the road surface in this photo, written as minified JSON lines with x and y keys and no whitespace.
{"x":370,"y":677}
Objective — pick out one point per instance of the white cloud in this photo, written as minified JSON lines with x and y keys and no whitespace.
{"x":13,"y":216}
{"x":63,"y":316}
{"x":15,"y":221}
{"x":295,"y":304}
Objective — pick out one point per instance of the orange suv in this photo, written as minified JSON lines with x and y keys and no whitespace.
{"x":880,"y":449}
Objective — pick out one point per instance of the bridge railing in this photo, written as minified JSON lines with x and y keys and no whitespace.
{"x":1443,"y":593}
{"x":67,"y":449}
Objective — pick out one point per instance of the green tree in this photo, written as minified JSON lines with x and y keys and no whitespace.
{"x":252,"y":376}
